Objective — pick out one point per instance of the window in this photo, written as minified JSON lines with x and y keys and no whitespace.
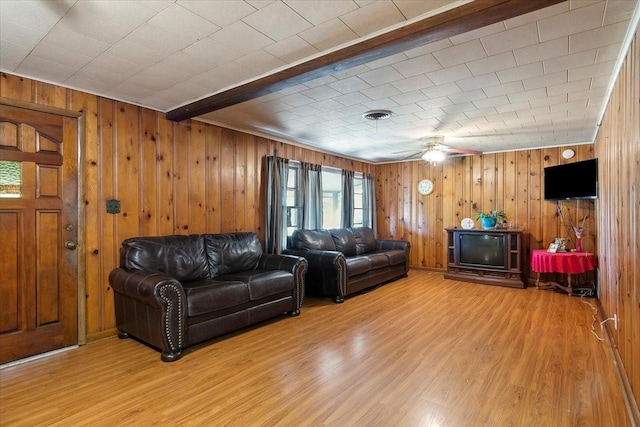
{"x":331,"y":199}
{"x":293,"y":206}
{"x":10,"y":179}
{"x":358,"y":200}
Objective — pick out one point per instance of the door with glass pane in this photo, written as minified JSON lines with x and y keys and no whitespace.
{"x":38,"y":232}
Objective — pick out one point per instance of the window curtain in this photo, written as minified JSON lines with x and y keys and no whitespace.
{"x":347,"y":198}
{"x":310,"y":196}
{"x":276,"y":192}
{"x":369,"y":203}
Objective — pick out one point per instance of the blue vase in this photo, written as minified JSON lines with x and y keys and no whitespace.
{"x":488,"y":223}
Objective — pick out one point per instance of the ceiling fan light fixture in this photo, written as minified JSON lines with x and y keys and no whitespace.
{"x":433,"y":156}
{"x":377,"y":114}
{"x":433,"y":140}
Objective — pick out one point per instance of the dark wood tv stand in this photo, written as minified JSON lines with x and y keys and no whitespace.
{"x":510,"y":276}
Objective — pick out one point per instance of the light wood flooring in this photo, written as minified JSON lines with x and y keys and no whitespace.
{"x":421,"y":351}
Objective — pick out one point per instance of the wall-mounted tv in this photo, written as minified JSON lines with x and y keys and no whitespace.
{"x":482,"y":250}
{"x":578,"y":180}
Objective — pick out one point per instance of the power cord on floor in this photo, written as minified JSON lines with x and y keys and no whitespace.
{"x":587,"y":292}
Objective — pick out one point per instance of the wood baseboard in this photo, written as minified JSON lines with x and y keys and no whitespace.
{"x":630,"y":401}
{"x":102,"y":335}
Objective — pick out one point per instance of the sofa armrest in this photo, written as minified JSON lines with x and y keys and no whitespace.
{"x":141,"y":295}
{"x":318,"y":259}
{"x":385,"y":245}
{"x":327,"y":270}
{"x":295,"y":264}
{"x":144,"y":286}
{"x":280,"y":262}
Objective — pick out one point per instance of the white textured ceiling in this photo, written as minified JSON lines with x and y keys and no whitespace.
{"x":536,"y":80}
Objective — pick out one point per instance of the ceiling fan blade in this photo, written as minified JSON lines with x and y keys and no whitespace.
{"x":415,"y":153}
{"x":461,"y":151}
{"x":409,"y":151}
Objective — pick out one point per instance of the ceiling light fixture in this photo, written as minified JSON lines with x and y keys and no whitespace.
{"x":433,"y":156}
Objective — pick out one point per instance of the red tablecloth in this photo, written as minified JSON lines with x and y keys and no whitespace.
{"x":562,"y":262}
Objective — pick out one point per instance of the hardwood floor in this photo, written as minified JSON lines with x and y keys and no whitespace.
{"x":419,"y":351}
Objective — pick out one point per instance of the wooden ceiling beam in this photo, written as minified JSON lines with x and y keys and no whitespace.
{"x":465,"y":18}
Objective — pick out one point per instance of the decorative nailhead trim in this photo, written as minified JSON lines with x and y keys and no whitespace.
{"x":341,"y":266}
{"x":300,"y":271}
{"x":168,"y":312}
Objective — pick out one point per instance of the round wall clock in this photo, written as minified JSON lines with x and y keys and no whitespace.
{"x":425,"y":187}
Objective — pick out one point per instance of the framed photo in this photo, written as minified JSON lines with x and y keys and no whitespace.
{"x":561,"y":242}
{"x":553,"y":248}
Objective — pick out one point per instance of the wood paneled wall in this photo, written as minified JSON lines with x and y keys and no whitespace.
{"x":618,"y":150}
{"x":509,"y":181}
{"x":171,"y":178}
{"x":191,"y":177}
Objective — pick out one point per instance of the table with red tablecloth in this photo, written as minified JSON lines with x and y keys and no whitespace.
{"x":568,"y":263}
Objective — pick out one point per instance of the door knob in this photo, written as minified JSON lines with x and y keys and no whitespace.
{"x":69,"y":244}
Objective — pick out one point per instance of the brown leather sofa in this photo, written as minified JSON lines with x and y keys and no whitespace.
{"x":172,"y":292}
{"x":343,"y":261}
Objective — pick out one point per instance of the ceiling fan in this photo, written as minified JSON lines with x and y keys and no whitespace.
{"x":435,"y":151}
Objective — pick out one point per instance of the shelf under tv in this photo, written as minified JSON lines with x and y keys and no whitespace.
{"x":460,"y":265}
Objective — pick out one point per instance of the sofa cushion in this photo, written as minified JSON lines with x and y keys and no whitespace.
{"x":182,"y":257}
{"x":358,"y":265}
{"x":205,"y":296}
{"x":344,"y":240}
{"x":396,"y":256}
{"x":313,"y":240}
{"x":378,"y":260}
{"x":233,"y":252}
{"x":263,"y":283}
{"x":365,"y":239}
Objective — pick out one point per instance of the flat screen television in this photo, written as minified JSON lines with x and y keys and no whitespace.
{"x":578,"y":180}
{"x":482,"y":250}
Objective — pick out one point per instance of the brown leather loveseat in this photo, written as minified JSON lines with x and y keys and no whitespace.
{"x":172,"y":292}
{"x":343,"y":261}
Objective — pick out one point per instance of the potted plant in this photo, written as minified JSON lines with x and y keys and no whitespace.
{"x":490,"y":219}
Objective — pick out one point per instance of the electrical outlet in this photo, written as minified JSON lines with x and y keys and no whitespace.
{"x":113,"y":206}
{"x":615,"y":322}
